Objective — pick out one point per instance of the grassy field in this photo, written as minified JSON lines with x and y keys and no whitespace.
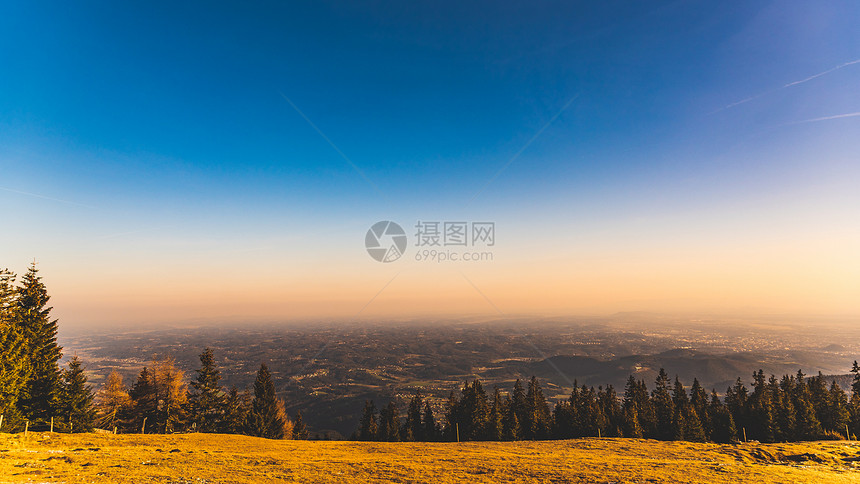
{"x":199,"y":458}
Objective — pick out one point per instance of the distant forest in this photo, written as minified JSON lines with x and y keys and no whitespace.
{"x":36,"y":393}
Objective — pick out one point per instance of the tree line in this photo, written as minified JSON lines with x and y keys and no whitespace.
{"x":793,"y":408}
{"x":159,"y":401}
{"x":34,"y":391}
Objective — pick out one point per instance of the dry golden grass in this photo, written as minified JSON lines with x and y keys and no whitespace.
{"x":199,"y":458}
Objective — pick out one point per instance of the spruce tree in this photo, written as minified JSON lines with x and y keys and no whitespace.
{"x":854,"y":409}
{"x":681,"y":411}
{"x":562,"y":420}
{"x":76,"y":408}
{"x":838,"y":414}
{"x":237,"y":411}
{"x":513,"y":429}
{"x":206,"y":401}
{"x":473,"y":412}
{"x":389,"y":423}
{"x":808,"y":425}
{"x":39,"y":397}
{"x":724,"y":429}
{"x":786,"y":414}
{"x":300,"y":431}
{"x":855,"y":384}
{"x":428,"y":423}
{"x":632,"y":427}
{"x":538,"y":417}
{"x":495,"y":422}
{"x":144,"y":402}
{"x":736,"y":402}
{"x":762,"y":414}
{"x":820,"y":397}
{"x":517,"y":407}
{"x":265,"y":420}
{"x":451,"y":426}
{"x":412,"y":428}
{"x":13,"y":358}
{"x":368,"y":428}
{"x":664,"y":407}
{"x":610,"y":409}
{"x":699,"y":403}
{"x":646,"y":410}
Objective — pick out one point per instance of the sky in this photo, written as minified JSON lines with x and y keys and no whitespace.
{"x":211,"y":161}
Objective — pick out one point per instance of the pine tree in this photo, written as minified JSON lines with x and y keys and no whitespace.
{"x":389,"y":423}
{"x":762,"y":418}
{"x":300,"y":432}
{"x":368,"y":428}
{"x":681,"y":411}
{"x":451,"y":426}
{"x":820,"y":397}
{"x":206,"y":401}
{"x":113,"y":403}
{"x":428,"y":423}
{"x":699,"y":403}
{"x":495,"y":422}
{"x":562,"y":420}
{"x":513,"y":429}
{"x":412,"y":428}
{"x":585,"y":413}
{"x":786,"y":414}
{"x":39,"y":397}
{"x":144,"y":402}
{"x":687,"y":424}
{"x":632,"y":427}
{"x":517,"y":408}
{"x":237,"y":411}
{"x":664,"y":407}
{"x":724,"y":430}
{"x":855,"y":384}
{"x":854,"y":405}
{"x":647,"y":411}
{"x":736,"y":402}
{"x":473,"y":412}
{"x":610,"y":409}
{"x":838,"y":415}
{"x":538,"y":417}
{"x":13,"y":358}
{"x":265,"y":420}
{"x":808,"y":425}
{"x":574,"y":413}
{"x":76,"y":399}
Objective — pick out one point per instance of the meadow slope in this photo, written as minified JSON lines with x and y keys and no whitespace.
{"x":200,"y":458}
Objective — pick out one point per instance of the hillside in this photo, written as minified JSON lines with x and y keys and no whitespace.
{"x":199,"y":458}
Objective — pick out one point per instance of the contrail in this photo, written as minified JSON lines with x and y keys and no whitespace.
{"x":45,"y":198}
{"x":790,"y":84}
{"x":825,"y":118}
{"x":840,"y":66}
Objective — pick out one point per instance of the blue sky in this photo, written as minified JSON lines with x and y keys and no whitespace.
{"x":134,"y":134}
